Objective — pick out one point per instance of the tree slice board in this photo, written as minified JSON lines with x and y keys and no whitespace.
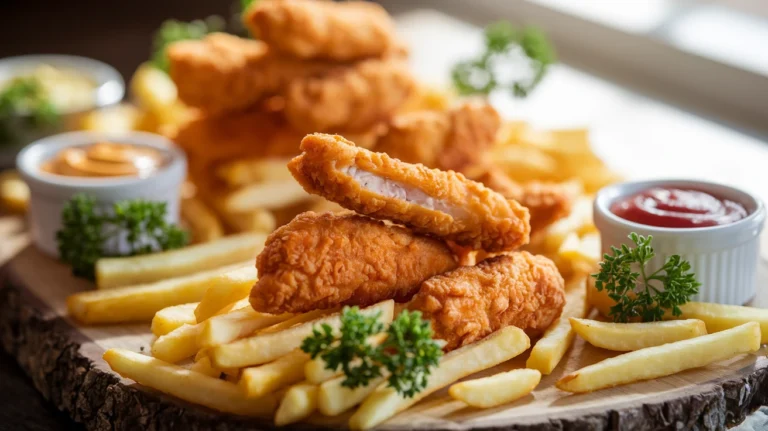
{"x":64,"y":362}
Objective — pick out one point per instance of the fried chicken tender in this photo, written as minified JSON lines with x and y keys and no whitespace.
{"x":547,"y":202}
{"x":319,"y":261}
{"x":455,"y":140}
{"x":467,"y":304}
{"x":430,"y":201}
{"x":224,"y":73}
{"x":308,"y":29}
{"x":350,"y":97}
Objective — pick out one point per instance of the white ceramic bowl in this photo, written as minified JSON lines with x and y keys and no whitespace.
{"x":724,"y":258}
{"x":50,"y":192}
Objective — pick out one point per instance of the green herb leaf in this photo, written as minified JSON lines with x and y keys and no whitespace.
{"x":637,"y":293}
{"x":86,"y":231}
{"x":408,"y":353}
{"x":172,"y":31}
{"x":25,"y":97}
{"x":507,"y":49}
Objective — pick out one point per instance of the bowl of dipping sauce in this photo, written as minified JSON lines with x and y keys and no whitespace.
{"x":714,"y":227}
{"x":111,"y":169}
{"x":48,"y":94}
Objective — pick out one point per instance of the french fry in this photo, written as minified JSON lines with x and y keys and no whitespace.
{"x":333,"y":398}
{"x":497,"y":389}
{"x":139,"y":303}
{"x":316,"y":372}
{"x":118,"y":119}
{"x":719,"y":317}
{"x":126,"y":271}
{"x":187,"y":385}
{"x":267,"y":195}
{"x":664,"y":360}
{"x":259,"y":220}
{"x":203,"y":366}
{"x":298,"y":403}
{"x":551,"y":347}
{"x":201,"y":221}
{"x":225,"y":289}
{"x":584,"y":249}
{"x":298,"y":319}
{"x":239,"y":173}
{"x":266,"y":347}
{"x":179,"y":344}
{"x":625,"y":337}
{"x":14,"y":192}
{"x":170,"y":318}
{"x":579,"y":221}
{"x":498,"y":347}
{"x":267,"y":378}
{"x":526,"y":163}
{"x":234,"y":325}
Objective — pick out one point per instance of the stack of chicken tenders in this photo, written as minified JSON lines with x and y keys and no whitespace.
{"x":404,"y":240}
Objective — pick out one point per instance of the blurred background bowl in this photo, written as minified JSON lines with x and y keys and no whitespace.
{"x":108,"y":90}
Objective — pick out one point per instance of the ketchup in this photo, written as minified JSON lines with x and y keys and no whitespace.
{"x":678,"y":208}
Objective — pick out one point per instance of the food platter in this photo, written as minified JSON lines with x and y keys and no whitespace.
{"x":64,"y":361}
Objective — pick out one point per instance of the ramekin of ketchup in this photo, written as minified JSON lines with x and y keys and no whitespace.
{"x":713,"y":226}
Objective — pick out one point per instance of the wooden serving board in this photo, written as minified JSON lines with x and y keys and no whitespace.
{"x":64,"y":362}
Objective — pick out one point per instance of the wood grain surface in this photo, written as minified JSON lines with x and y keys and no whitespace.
{"x":64,"y":362}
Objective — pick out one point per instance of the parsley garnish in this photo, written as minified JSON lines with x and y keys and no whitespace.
{"x":639,"y":294}
{"x":506,"y":49}
{"x":85,"y":231}
{"x":407,"y":354}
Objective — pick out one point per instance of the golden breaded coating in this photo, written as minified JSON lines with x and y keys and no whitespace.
{"x":320,"y":261}
{"x":307,"y":29}
{"x":430,"y":201}
{"x":224,"y":73}
{"x":467,"y":304}
{"x":350,"y":97}
{"x":455,"y":140}
{"x":547,"y":202}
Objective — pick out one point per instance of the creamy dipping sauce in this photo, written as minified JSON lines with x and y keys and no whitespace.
{"x":678,"y":208}
{"x":105,"y":159}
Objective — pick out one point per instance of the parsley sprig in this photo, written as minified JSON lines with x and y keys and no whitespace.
{"x":637,"y":293}
{"x":508,"y":51}
{"x":86,"y":231}
{"x":408,"y":353}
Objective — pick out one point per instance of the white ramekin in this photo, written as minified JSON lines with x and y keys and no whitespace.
{"x":724,"y":258}
{"x":49,"y":192}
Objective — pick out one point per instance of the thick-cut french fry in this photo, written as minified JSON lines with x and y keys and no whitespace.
{"x":239,"y":173}
{"x":179,"y":344}
{"x":719,"y":317}
{"x":201,"y":221}
{"x":125,"y":271}
{"x":259,"y":220}
{"x":170,"y":318}
{"x":14,"y":193}
{"x":334,"y":399}
{"x":203,"y":366}
{"x":266,"y":347}
{"x":267,"y":378}
{"x":625,"y":337}
{"x":229,"y":287}
{"x":267,"y":195}
{"x":187,"y":385}
{"x":551,"y":347}
{"x":139,"y":303}
{"x":234,"y":325}
{"x":498,"y":347}
{"x":664,"y":360}
{"x":496,"y":390}
{"x":298,"y":403}
{"x":316,"y":372}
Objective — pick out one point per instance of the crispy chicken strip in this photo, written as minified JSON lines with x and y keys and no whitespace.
{"x":320,"y":261}
{"x":469,"y":303}
{"x":430,"y":201}
{"x":307,"y":29}
{"x":225,"y":73}
{"x":547,"y":202}
{"x":455,"y":140}
{"x":349,"y":97}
